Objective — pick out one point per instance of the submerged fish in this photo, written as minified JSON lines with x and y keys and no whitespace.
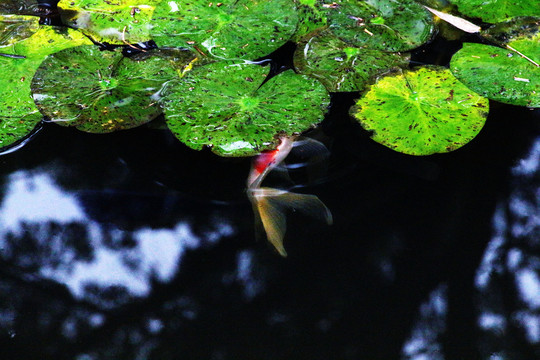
{"x":270,"y":205}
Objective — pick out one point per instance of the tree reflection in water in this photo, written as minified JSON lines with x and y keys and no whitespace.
{"x":123,"y":265}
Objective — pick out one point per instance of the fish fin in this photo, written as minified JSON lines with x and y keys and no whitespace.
{"x":272,"y":218}
{"x":271,"y":204}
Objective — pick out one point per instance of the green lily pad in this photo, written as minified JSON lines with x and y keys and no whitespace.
{"x":341,"y":67}
{"x":18,"y":113}
{"x":421,"y":112}
{"x":100,"y":91}
{"x":501,"y":74}
{"x":380,"y":24}
{"x":240,"y":29}
{"x":311,"y":18}
{"x":494,"y":11}
{"x":223,"y":105}
{"x":115,"y":22}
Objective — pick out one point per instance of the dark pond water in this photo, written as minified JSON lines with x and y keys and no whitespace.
{"x":131,"y":246}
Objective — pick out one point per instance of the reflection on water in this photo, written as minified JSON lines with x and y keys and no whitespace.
{"x":45,"y":229}
{"x":415,"y":267}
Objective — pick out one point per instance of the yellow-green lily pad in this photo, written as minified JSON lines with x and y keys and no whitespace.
{"x":18,"y":113}
{"x":421,"y":112}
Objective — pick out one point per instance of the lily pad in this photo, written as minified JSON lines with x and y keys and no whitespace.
{"x":115,"y":22}
{"x":100,"y":91}
{"x":380,"y":24}
{"x":240,"y":29}
{"x":18,"y":113}
{"x":341,"y":67}
{"x":311,"y":17}
{"x":223,"y":105}
{"x":421,"y":112}
{"x":501,"y":74}
{"x":494,"y":11}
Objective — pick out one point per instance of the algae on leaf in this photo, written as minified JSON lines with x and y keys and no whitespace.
{"x":240,"y":29}
{"x":501,"y":74}
{"x":341,"y":67}
{"x":223,"y":106}
{"x":100,"y":91}
{"x":380,"y":24}
{"x":115,"y":22}
{"x":18,"y":113}
{"x":421,"y":112}
{"x":494,"y":11}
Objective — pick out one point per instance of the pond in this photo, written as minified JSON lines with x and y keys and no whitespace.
{"x":130,"y":245}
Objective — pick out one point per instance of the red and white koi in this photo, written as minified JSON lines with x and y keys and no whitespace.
{"x":270,"y":205}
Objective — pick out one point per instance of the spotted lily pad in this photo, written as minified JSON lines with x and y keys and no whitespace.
{"x":311,"y":17}
{"x":501,"y":74}
{"x":341,"y":67}
{"x":494,"y":11}
{"x":421,"y":112}
{"x":243,"y":29}
{"x":100,"y":91}
{"x":388,"y":25}
{"x":18,"y":113}
{"x":223,"y":105}
{"x":115,"y":22}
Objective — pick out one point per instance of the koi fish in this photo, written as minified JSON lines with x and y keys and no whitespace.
{"x":269,"y":204}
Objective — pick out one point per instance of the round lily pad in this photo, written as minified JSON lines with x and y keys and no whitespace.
{"x":421,"y":112}
{"x":501,"y":74}
{"x":380,"y":24}
{"x":18,"y":113}
{"x":100,"y":91}
{"x":223,"y":105}
{"x":341,"y":67}
{"x":115,"y":22}
{"x":494,"y":11}
{"x":241,"y":29}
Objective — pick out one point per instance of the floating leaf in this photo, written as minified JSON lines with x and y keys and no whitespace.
{"x":421,"y":112}
{"x":18,"y":113}
{"x":224,"y":106}
{"x":501,"y":74}
{"x":341,"y":67}
{"x":380,"y":24}
{"x":494,"y":11}
{"x":115,"y":22}
{"x":311,"y":17}
{"x":246,"y":29}
{"x":100,"y":91}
